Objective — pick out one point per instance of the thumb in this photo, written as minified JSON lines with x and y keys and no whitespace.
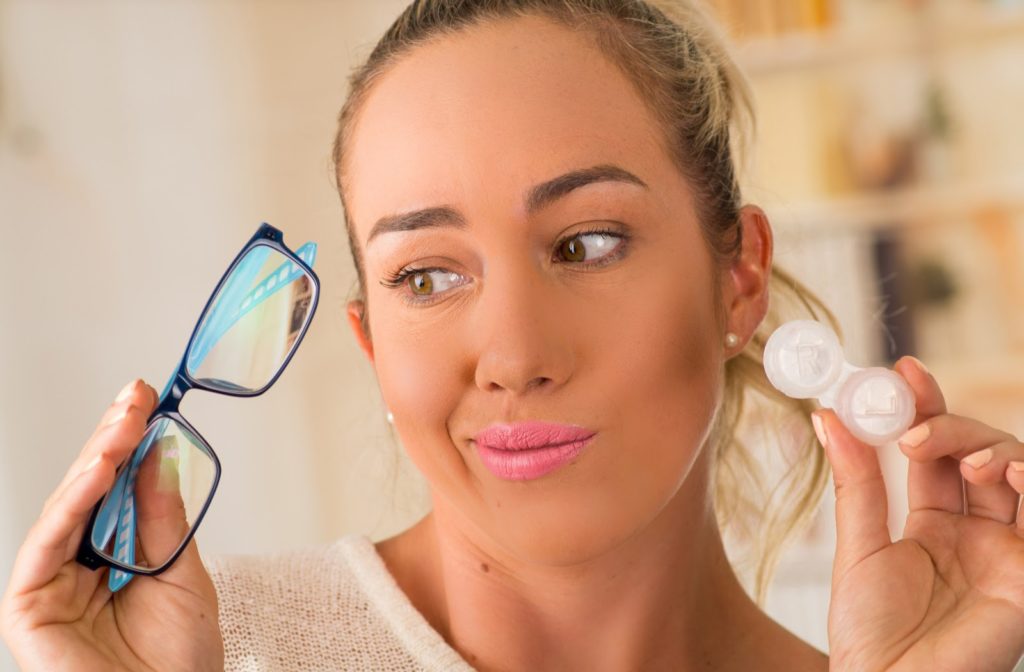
{"x":862,"y":508}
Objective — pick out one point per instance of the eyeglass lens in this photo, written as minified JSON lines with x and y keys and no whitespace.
{"x":253,"y":323}
{"x":157,"y":497}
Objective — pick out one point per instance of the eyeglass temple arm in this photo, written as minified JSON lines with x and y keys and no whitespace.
{"x":236,"y":284}
{"x":121,"y":504}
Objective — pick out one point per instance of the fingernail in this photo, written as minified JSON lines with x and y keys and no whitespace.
{"x":915,"y":437}
{"x":919,"y":364}
{"x":1017,"y":466}
{"x":127,"y":390}
{"x":819,"y":429}
{"x":979,"y":459}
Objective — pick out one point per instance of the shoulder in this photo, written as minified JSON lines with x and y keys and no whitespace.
{"x":334,"y":604}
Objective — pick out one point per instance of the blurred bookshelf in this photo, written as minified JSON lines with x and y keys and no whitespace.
{"x":911,"y":206}
{"x":818,"y":42}
{"x":890,"y":161}
{"x":881,"y":132}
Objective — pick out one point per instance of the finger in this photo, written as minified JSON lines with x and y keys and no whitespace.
{"x":141,"y":395}
{"x":115,"y":440}
{"x":127,"y":397}
{"x":931,"y":484}
{"x":163,"y":525}
{"x":50,"y":542}
{"x":136,"y":394}
{"x":1015,"y":477}
{"x":989,"y":492}
{"x":188,"y":571}
{"x":861,"y":504}
{"x":54,"y":537}
{"x":950,"y":435}
{"x":162,"y":518}
{"x":982,"y":452}
{"x":928,"y":397}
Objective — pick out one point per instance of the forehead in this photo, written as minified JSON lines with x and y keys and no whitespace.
{"x":487,"y":111}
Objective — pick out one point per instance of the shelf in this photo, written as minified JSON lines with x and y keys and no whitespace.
{"x":801,"y":51}
{"x":932,"y":205}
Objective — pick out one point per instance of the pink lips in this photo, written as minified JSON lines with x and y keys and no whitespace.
{"x":528,"y":450}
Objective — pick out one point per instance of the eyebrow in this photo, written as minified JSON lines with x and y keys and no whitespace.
{"x":537,"y":197}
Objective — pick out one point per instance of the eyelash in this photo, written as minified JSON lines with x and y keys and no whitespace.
{"x":397,"y":279}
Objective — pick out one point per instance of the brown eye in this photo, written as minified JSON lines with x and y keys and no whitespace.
{"x":602,"y":246}
{"x":572,"y":249}
{"x":421,"y":284}
{"x":423,"y":287}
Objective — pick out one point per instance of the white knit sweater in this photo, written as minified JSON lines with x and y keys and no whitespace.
{"x":332,"y":607}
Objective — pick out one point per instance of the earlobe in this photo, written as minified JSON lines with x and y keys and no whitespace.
{"x":355,"y":320}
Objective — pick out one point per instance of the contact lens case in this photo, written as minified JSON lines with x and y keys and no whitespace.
{"x":803,"y":360}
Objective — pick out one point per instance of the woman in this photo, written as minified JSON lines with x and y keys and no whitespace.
{"x":551,"y":248}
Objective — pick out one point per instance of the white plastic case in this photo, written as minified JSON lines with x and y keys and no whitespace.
{"x":803,"y":360}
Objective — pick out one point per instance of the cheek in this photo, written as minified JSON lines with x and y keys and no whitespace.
{"x":674,"y":366}
{"x":662,"y":376}
{"x":423,"y":378}
{"x":655,"y":354}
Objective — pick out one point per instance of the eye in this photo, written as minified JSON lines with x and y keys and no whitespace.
{"x":423,"y":283}
{"x":427,"y":285}
{"x":606,"y":245}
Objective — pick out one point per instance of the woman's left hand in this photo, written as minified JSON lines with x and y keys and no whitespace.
{"x":950,"y":594}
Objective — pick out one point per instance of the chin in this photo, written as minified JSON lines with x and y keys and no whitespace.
{"x":565,"y":531}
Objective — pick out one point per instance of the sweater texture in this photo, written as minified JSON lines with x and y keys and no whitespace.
{"x":330,"y":607}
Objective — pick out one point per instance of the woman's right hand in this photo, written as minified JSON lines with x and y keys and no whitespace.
{"x":59,"y":615}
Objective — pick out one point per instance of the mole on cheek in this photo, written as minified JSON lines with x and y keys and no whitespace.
{"x":484,"y":567}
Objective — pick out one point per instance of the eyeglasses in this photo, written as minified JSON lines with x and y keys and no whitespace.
{"x":248,"y":332}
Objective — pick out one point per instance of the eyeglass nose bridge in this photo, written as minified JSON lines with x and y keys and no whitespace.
{"x":174,"y":390}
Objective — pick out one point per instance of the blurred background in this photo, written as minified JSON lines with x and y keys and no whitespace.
{"x":890,"y":160}
{"x":141,"y":143}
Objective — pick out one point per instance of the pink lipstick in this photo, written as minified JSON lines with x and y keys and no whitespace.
{"x":527,"y":450}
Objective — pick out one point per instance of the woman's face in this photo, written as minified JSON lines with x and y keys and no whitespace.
{"x":621,"y":340}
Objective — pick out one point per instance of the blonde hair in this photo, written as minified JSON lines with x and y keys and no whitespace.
{"x":677,"y":58}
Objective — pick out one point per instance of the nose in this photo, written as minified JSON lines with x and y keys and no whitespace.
{"x":524,"y":338}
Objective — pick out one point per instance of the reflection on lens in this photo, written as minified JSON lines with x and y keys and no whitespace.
{"x":253,"y":323}
{"x":159,"y":494}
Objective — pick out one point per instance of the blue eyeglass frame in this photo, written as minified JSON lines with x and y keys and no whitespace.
{"x":177,"y":386}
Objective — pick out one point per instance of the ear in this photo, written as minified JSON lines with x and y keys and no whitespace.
{"x":747,"y":281}
{"x":355,"y":316}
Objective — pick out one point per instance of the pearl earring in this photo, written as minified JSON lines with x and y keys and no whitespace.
{"x":391,"y":418}
{"x":731,"y":340}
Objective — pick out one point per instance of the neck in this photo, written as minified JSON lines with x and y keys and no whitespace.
{"x":666,"y":598}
